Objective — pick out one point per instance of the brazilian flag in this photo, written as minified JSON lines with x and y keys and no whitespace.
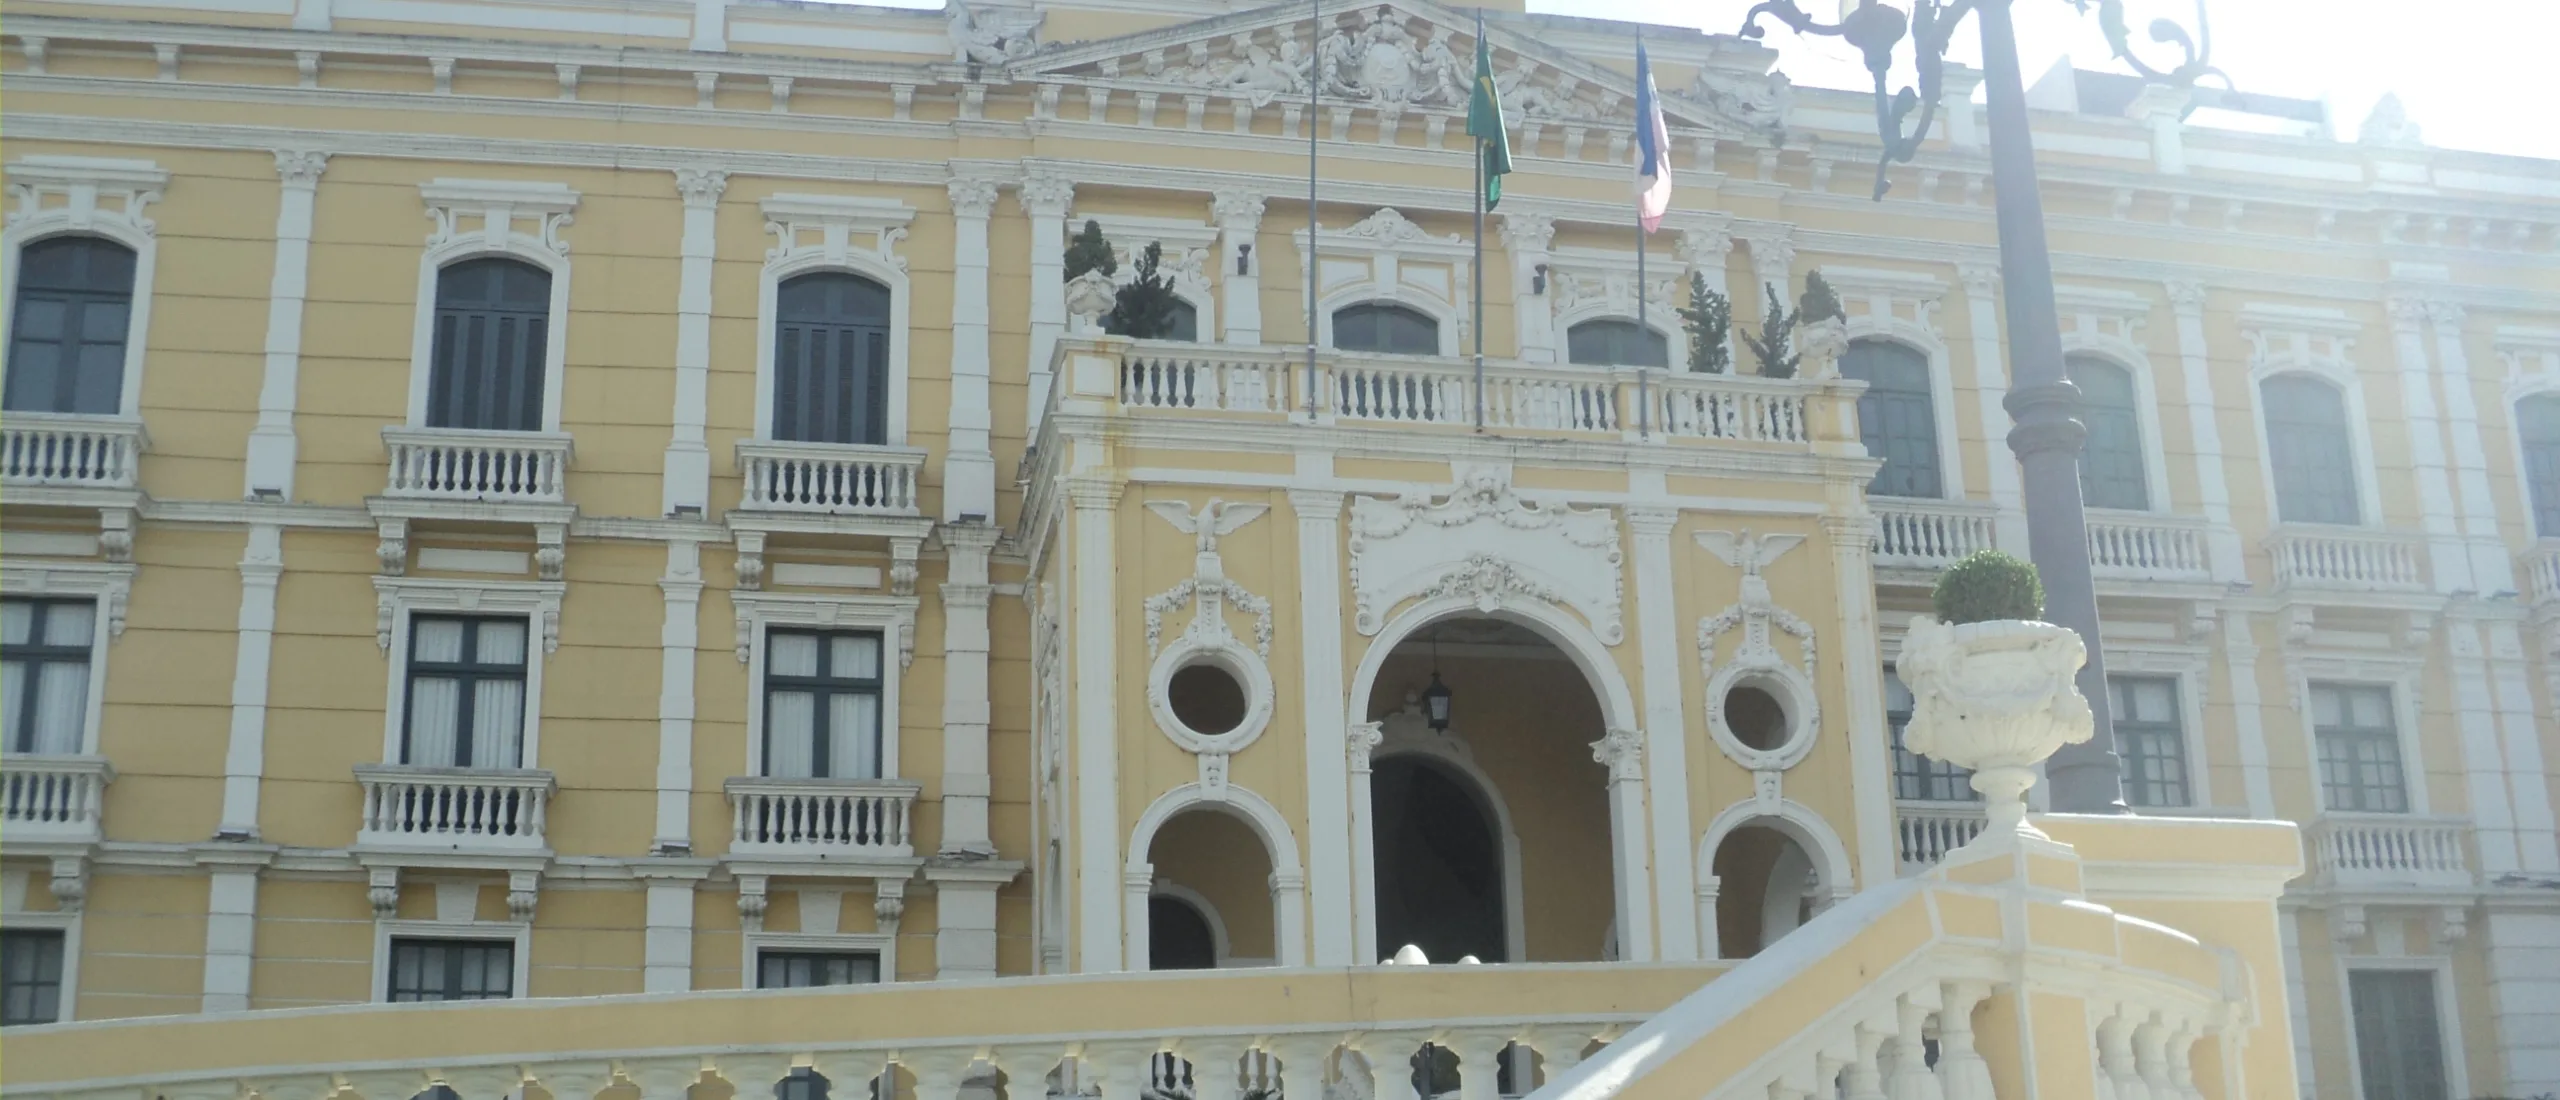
{"x":1484,"y":124}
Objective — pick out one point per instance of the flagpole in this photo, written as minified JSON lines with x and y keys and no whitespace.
{"x":1315,"y":73}
{"x":1479,"y":261}
{"x":1644,"y":291}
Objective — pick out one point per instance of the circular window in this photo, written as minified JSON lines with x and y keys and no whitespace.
{"x":1756,"y":717}
{"x":1206,"y":699}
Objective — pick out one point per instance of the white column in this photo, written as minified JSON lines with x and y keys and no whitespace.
{"x":1238,"y":214}
{"x":1666,"y":725}
{"x":1137,"y":886}
{"x":1705,"y":252}
{"x":2449,"y":559}
{"x":2222,"y":542}
{"x":969,"y":465}
{"x":678,"y":636}
{"x":2248,"y":721}
{"x":1329,"y":798}
{"x":2537,"y":835}
{"x":2484,"y":770}
{"x":1955,"y":104}
{"x":711,"y":25}
{"x":230,"y":924}
{"x":2162,"y":109}
{"x":1991,"y":384}
{"x":2492,"y":570}
{"x":2297,"y":996}
{"x":1773,"y":261}
{"x":1097,"y":744}
{"x":667,"y":943}
{"x":1851,"y":533}
{"x":1045,"y":197}
{"x":1526,"y":237}
{"x":1623,"y":751}
{"x":964,"y":936}
{"x":2525,"y":987}
{"x":686,"y":483}
{"x":1364,"y":842}
{"x":1710,"y":938}
{"x":244,"y":760}
{"x":271,"y":443}
{"x":965,"y":707}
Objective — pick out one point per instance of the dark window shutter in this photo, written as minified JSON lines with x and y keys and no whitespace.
{"x":831,"y":359}
{"x":1383,"y":327}
{"x":1897,"y":417}
{"x":2307,"y":442}
{"x":69,"y":327}
{"x":2111,"y":462}
{"x":486,"y":368}
{"x":1616,"y":343}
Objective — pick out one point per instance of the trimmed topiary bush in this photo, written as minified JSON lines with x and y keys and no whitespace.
{"x":1988,"y":585}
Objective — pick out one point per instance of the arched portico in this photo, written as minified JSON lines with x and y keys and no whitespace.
{"x":1280,"y":844}
{"x":1793,"y":820}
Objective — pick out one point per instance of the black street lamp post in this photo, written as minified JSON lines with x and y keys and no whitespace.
{"x":2042,"y":401}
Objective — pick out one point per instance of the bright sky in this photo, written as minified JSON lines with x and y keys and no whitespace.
{"x":2467,"y":70}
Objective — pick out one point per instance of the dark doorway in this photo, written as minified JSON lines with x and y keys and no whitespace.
{"x":1439,"y":869}
{"x":1178,"y":936}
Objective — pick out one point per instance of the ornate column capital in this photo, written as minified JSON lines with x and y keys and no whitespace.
{"x":1623,"y":751}
{"x":1652,"y":521}
{"x":1528,"y":231}
{"x":1236,"y":207}
{"x":1706,"y":247}
{"x":1773,"y":260}
{"x":1046,"y":194}
{"x":301,"y":167}
{"x":972,"y":198}
{"x":2444,"y":313}
{"x":2186,"y":294}
{"x":1981,"y":280}
{"x":1361,"y":740}
{"x":701,"y":187}
{"x":1316,"y":504}
{"x":2407,"y":312}
{"x":1094,"y":493}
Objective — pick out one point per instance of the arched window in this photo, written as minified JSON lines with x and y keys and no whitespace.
{"x":1614,"y":343}
{"x":68,"y":329}
{"x":2315,"y":471}
{"x":1897,"y":417}
{"x":1379,"y":326}
{"x":492,"y":331}
{"x":831,"y":359}
{"x":2111,"y":463}
{"x":2538,"y":427}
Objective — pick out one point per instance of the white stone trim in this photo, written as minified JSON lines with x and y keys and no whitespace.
{"x":244,"y":759}
{"x":2108,"y":325}
{"x":272,"y":444}
{"x":2531,"y":361}
{"x":893,"y":616}
{"x":1789,"y":818}
{"x":1882,"y":291}
{"x":399,"y":599}
{"x":1191,"y":251}
{"x":849,"y":233}
{"x":686,"y":479}
{"x":110,"y":585}
{"x":883,"y":944}
{"x":679,"y":643}
{"x":2190,"y":668}
{"x":2457,"y":1055}
{"x":1318,"y":513}
{"x":519,"y":933}
{"x":66,"y":921}
{"x":2204,"y":428}
{"x":1384,"y":243}
{"x":1666,"y":726}
{"x":1612,"y":297}
{"x":81,"y":182}
{"x":2312,"y":342}
{"x":499,"y":206}
{"x":1279,"y":842}
{"x":1220,"y":950}
{"x":2403,"y":673}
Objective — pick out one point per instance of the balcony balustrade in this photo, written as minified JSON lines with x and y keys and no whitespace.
{"x":2354,"y":559}
{"x":2365,"y":851}
{"x":822,"y":817}
{"x":1927,"y":831}
{"x":2542,"y":573}
{"x":1930,"y":534}
{"x":834,"y":479}
{"x":458,"y":464}
{"x":472,"y":810}
{"x":2147,"y":546}
{"x":53,"y":799}
{"x":67,"y":451}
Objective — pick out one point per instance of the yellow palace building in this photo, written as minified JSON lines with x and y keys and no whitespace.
{"x":610,"y":515}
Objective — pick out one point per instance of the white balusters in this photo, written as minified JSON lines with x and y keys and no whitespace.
{"x":464,"y":807}
{"x":70,"y":451}
{"x":1402,"y":393}
{"x":2145,"y":546}
{"x":1962,"y":1072}
{"x":1722,"y":407}
{"x":1563,"y":401}
{"x":1203,"y":377}
{"x":829,"y":478}
{"x":462,"y":464}
{"x":2542,"y":571}
{"x":53,"y":797}
{"x":1929,"y":534}
{"x":1928,"y":831}
{"x":2317,"y":556}
{"x":2350,"y":849}
{"x":821,"y":816}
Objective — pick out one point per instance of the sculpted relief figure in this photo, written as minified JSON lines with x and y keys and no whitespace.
{"x":1263,"y":76}
{"x":1757,"y":100}
{"x":993,"y":38}
{"x":1519,"y":85}
{"x":1445,"y":78}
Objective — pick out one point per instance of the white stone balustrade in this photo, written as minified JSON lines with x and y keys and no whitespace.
{"x":2147,"y":546}
{"x":1205,"y":377}
{"x":829,"y":478}
{"x":460,"y":809}
{"x":2346,"y":558}
{"x":2542,"y":572}
{"x":1926,"y":831}
{"x":464,"y":464}
{"x":1930,"y":534}
{"x":1752,"y":410}
{"x":821,"y":817}
{"x":53,"y":798}
{"x":58,"y":450}
{"x":2384,"y":851}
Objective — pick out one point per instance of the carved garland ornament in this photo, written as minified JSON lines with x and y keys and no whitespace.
{"x":1484,"y":542}
{"x":1756,"y":662}
{"x":1207,"y":640}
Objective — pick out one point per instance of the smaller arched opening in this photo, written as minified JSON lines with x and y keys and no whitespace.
{"x":487,"y":366}
{"x":1209,"y":873}
{"x":2310,"y":453}
{"x":831,"y":359}
{"x":70,"y":326}
{"x":1897,"y":416}
{"x":1385,"y":327}
{"x":1766,"y":885}
{"x":1617,"y":342}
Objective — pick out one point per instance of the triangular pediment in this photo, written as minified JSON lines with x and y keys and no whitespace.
{"x":1408,"y":55}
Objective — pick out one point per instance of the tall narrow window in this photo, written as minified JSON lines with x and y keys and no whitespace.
{"x":831,"y":359}
{"x":2359,"y":742}
{"x":822,"y":705}
{"x":493,"y":331}
{"x":2399,"y":1040}
{"x":2538,"y":428}
{"x":1897,"y":417}
{"x":2111,"y":462}
{"x":2149,"y":739}
{"x":30,"y":976}
{"x":44,"y":674}
{"x":804,"y":969}
{"x":1615,"y":343}
{"x":1379,"y":326}
{"x":1918,"y":778}
{"x":466,"y":692}
{"x":452,"y":970}
{"x":68,"y":327}
{"x":2307,"y":443}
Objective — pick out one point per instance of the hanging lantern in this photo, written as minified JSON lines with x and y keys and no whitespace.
{"x":1435,"y":704}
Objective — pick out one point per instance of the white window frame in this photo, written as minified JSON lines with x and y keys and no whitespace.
{"x":2108,"y":325}
{"x":2531,"y":357}
{"x":2448,"y":1015}
{"x":2188,"y":667}
{"x":399,"y":599}
{"x":14,"y":885}
{"x":1382,"y":244}
{"x":1191,"y":251}
{"x":2312,"y":342}
{"x":1883,"y":290}
{"x":80,"y":182}
{"x":2403,"y":677}
{"x":503,"y":207}
{"x":1615,"y":301}
{"x":755,"y":944}
{"x":850,"y":233}
{"x":518,"y":933}
{"x":893,"y":616}
{"x":111,"y":586}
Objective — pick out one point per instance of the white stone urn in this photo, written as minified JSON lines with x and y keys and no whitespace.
{"x":1996,"y":697}
{"x":1820,"y":344}
{"x":1089,"y":297}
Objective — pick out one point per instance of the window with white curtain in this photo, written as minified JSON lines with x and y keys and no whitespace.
{"x":466,"y":692}
{"x":822,"y":704}
{"x":44,"y":661}
{"x":2150,"y":741}
{"x":2359,"y":745}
